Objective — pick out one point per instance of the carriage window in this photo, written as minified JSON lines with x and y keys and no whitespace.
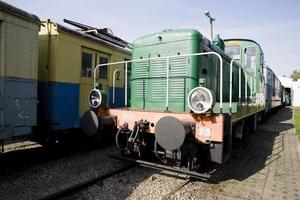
{"x":250,"y":57}
{"x":86,"y":67}
{"x":103,"y":69}
{"x":262,"y":62}
{"x":233,"y":51}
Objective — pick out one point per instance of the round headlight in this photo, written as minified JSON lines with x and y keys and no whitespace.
{"x":200,"y":100}
{"x":95,"y":98}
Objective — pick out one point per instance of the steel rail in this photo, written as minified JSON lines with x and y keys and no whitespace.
{"x":178,"y":187}
{"x":82,"y":185}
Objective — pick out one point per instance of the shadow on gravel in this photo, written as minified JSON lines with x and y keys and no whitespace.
{"x":20,"y":160}
{"x":254,"y":156}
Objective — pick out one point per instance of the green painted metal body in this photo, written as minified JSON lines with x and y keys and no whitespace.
{"x":148,"y":78}
{"x":149,"y":82}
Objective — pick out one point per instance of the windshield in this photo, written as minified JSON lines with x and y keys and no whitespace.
{"x":233,"y":52}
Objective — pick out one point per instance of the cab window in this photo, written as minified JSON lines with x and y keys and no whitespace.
{"x":233,"y":52}
{"x":250,"y":57}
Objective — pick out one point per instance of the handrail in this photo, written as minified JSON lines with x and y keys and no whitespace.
{"x":167,"y":74}
{"x":240,"y":83}
{"x":126,"y":66}
{"x":114,"y":86}
{"x":251,"y":88}
{"x":198,"y":54}
{"x":246,"y":89}
{"x":167,"y":84}
{"x":230,"y":85}
{"x":167,"y":68}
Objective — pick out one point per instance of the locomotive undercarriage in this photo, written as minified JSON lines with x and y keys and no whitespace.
{"x":179,"y":142}
{"x":139,"y":144}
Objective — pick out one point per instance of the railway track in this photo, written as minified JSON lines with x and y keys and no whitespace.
{"x":85,"y":184}
{"x":178,"y":187}
{"x":30,"y":155}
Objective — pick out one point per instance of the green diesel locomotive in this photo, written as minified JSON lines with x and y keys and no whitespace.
{"x":190,"y":98}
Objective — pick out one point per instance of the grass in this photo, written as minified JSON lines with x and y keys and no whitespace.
{"x":297,"y":120}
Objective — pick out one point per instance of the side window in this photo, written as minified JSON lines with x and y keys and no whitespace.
{"x":233,"y":52}
{"x":103,"y":69}
{"x":86,"y":64}
{"x":262,"y":63}
{"x":250,"y":57}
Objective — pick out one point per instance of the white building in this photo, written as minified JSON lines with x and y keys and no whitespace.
{"x":295,"y":86}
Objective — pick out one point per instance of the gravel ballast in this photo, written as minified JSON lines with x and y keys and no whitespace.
{"x":47,"y":178}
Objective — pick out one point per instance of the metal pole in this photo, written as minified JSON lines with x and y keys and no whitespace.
{"x":126,"y":84}
{"x":167,"y":89}
{"x":230,"y":85}
{"x":251,"y":88}
{"x":246,"y":88}
{"x":114,"y":84}
{"x":221,"y":83}
{"x":240,"y":84}
{"x":211,"y":19}
{"x":211,"y":29}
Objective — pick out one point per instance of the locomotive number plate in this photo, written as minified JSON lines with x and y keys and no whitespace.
{"x":205,"y":132}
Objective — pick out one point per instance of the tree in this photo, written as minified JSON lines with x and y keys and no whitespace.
{"x":295,"y":75}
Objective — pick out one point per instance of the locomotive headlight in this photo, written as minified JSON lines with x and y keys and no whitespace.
{"x":200,"y":100}
{"x":95,"y":98}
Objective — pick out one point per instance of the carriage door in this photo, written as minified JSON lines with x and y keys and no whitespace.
{"x":89,"y":59}
{"x":86,"y":78}
{"x":103,"y":73}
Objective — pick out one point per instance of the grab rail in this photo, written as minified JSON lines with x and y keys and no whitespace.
{"x":114,"y":86}
{"x":240,"y":83}
{"x":167,"y":75}
{"x":167,"y":72}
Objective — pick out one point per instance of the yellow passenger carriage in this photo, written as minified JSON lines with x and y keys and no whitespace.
{"x":66,"y":61}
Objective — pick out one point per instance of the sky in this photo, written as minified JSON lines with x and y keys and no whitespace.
{"x":274,"y":24}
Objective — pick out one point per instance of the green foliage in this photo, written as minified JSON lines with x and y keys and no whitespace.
{"x":297,"y":120}
{"x":295,"y":75}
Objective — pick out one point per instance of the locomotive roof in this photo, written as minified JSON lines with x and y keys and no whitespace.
{"x":93,"y":38}
{"x":5,"y":7}
{"x":243,"y":39}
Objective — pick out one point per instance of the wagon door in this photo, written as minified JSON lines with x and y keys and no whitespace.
{"x":103,"y":72}
{"x":89,"y":59}
{"x":86,"y":78}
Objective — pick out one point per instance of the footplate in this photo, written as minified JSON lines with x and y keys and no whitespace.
{"x":191,"y":174}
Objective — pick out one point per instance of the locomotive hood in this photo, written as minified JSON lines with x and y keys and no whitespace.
{"x":168,"y":35}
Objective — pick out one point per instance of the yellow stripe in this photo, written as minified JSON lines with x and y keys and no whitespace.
{"x":233,"y":43}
